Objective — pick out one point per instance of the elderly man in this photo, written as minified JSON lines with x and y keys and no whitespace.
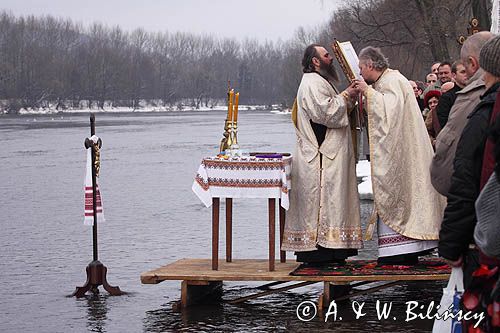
{"x":323,"y":223}
{"x":408,"y":209}
{"x":467,"y":98}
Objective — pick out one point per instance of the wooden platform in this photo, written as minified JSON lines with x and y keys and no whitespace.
{"x":257,"y":270}
{"x":200,"y":281}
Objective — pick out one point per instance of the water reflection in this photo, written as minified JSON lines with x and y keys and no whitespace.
{"x":97,"y":311}
{"x":153,"y":219}
{"x":279,"y":312}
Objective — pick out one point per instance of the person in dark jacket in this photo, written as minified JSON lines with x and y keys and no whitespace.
{"x":457,"y":228}
{"x":448,"y":98}
{"x":483,"y":293}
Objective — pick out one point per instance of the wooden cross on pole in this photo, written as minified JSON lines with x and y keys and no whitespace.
{"x":96,"y":271}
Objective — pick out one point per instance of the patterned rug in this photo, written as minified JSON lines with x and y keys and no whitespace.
{"x":370,"y":267}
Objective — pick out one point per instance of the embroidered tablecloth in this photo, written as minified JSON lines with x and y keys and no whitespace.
{"x":243,"y":177}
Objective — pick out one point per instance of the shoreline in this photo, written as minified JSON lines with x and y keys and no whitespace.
{"x":147,"y":109}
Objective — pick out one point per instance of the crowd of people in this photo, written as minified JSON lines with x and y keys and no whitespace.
{"x":435,"y":166}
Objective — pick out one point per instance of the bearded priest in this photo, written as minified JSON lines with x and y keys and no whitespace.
{"x":323,"y":223}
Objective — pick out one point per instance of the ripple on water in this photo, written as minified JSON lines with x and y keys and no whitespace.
{"x":153,"y":218}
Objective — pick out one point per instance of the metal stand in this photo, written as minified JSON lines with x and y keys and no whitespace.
{"x":96,"y":271}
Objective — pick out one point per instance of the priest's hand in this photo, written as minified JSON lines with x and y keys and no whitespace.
{"x":360,"y":85}
{"x":352,"y":91}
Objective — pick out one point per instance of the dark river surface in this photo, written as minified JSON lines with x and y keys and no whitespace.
{"x":152,"y":219}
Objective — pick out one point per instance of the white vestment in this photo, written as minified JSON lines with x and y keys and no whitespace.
{"x":324,"y":201}
{"x":400,"y":155}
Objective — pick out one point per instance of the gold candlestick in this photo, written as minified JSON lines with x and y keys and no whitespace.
{"x":227,"y":139}
{"x":225,"y":143}
{"x":235,"y":148}
{"x":234,"y":144}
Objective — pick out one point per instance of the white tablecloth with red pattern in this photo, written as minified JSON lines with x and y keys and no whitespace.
{"x":243,"y":177}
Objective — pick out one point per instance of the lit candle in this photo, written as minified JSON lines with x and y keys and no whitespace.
{"x":235,"y":111}
{"x":230,"y":105}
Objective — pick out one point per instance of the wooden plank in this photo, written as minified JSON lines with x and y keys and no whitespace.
{"x":270,"y":292}
{"x":229,"y":229}
{"x":272,"y":236}
{"x":192,"y":294}
{"x":258,"y":270}
{"x":197,"y":283}
{"x":366,"y":291}
{"x":324,"y":297}
{"x":215,"y":233}
{"x":282,"y":215}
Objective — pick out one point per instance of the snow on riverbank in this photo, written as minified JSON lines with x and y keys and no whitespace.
{"x":111,"y":109}
{"x":363,"y":171}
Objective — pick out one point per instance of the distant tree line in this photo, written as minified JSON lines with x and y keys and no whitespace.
{"x":47,"y":61}
{"x":53,"y":61}
{"x":412,"y":33}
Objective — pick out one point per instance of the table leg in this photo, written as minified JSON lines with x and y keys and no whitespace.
{"x":272,"y":236}
{"x":229,"y":229}
{"x":282,"y":229}
{"x":215,"y":233}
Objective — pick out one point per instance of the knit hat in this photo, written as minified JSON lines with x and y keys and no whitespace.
{"x":489,"y":58}
{"x":429,"y":95}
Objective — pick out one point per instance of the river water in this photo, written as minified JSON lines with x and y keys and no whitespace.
{"x":152,"y":219}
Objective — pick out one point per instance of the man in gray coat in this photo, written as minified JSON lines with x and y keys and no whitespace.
{"x":446,"y":142}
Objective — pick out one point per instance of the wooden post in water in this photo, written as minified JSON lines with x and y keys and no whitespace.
{"x":96,"y":271}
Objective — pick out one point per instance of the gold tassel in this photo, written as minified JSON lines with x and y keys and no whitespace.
{"x":294,"y":112}
{"x":370,"y":229}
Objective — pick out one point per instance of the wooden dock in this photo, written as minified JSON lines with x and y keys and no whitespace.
{"x":199,"y":280}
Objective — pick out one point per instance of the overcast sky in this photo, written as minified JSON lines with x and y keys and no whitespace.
{"x":261,"y":19}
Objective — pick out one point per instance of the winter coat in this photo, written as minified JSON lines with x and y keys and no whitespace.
{"x":459,"y":218}
{"x":446,"y":142}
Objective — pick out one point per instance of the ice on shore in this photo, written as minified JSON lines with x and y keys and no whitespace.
{"x":363,"y":171}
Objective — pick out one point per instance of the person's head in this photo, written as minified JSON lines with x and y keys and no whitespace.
{"x":435,"y":68}
{"x":469,"y":54}
{"x":317,"y":59}
{"x":431,"y":99}
{"x":459,"y":74}
{"x":444,"y":72}
{"x":421,"y":87}
{"x":372,"y":63}
{"x":414,"y":86}
{"x":489,"y":60}
{"x":431,"y":79}
{"x":447,"y":86}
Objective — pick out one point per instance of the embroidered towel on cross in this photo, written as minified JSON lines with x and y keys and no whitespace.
{"x":89,"y":211}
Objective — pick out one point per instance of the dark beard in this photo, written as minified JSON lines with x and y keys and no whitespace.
{"x":328,"y":71}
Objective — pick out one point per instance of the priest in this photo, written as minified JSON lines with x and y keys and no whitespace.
{"x":323,"y":223}
{"x":407,"y":209}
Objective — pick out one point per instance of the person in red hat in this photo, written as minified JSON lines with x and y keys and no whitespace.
{"x":431,"y":100}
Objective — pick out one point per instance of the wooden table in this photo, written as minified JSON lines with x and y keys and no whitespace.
{"x":229,"y":228}
{"x":244,"y":178}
